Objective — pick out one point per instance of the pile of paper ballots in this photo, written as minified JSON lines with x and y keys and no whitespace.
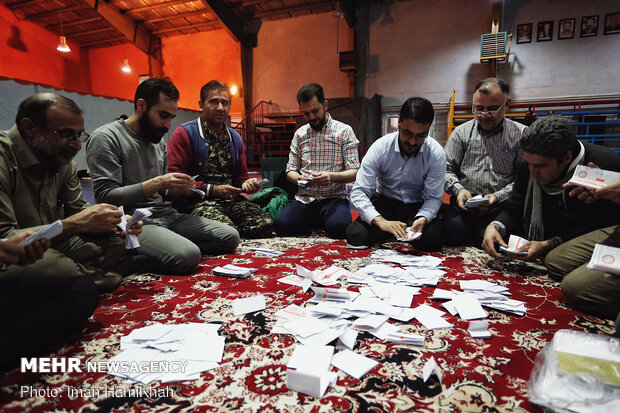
{"x":179,"y":352}
{"x":234,"y":271}
{"x":131,"y":241}
{"x":476,"y":293}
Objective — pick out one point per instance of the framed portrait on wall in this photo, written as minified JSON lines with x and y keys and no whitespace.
{"x":612,"y":23}
{"x":524,"y":33}
{"x":566,"y":29}
{"x":545,"y":31}
{"x":589,"y":26}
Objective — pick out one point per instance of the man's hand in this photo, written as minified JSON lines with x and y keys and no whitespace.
{"x":177,"y":183}
{"x":13,"y":253}
{"x":97,"y":218}
{"x":396,"y":228}
{"x":534,"y":250}
{"x":136,"y":227}
{"x":418,"y":224}
{"x":249,"y":186}
{"x":320,"y":179}
{"x":491,"y":238}
{"x":225,"y":191}
{"x":461,"y":197}
{"x":492,"y":201}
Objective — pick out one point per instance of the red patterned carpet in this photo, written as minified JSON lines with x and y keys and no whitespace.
{"x":478,"y":374}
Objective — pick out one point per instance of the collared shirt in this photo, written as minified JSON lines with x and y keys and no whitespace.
{"x":483,"y":163}
{"x":31,"y":195}
{"x":332,"y":149}
{"x":408,"y":179}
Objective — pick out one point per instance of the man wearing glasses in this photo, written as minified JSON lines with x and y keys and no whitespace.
{"x":481,"y":159}
{"x":407,"y":169}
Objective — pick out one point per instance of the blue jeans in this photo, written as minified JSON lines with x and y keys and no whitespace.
{"x":331,"y":214}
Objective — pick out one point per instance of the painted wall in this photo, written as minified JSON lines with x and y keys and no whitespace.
{"x":294,"y":52}
{"x":28,"y":52}
{"x":193,"y":60}
{"x":108,"y":79}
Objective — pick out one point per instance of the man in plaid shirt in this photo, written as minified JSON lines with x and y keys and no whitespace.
{"x":322,"y":160}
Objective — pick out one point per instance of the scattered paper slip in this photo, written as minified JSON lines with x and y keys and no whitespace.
{"x":593,"y":178}
{"x":476,"y":201}
{"x":413,"y":339}
{"x":234,"y":271}
{"x":514,"y":243}
{"x":431,"y":367}
{"x":52,"y":230}
{"x":605,"y":258}
{"x":268,"y":252}
{"x":248,"y":305}
{"x":479,"y":329}
{"x":357,"y":247}
{"x":352,"y":363}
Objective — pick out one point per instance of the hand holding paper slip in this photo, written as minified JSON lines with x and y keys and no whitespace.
{"x":593,"y":178}
{"x":476,"y":201}
{"x":52,"y":230}
{"x":131,"y":241}
{"x":605,"y":258}
{"x":411,"y":236}
{"x":514,"y":243}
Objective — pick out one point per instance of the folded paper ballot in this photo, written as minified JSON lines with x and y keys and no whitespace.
{"x":431,"y":367}
{"x":605,"y":258}
{"x":401,"y":338}
{"x":268,"y":251}
{"x":514,"y":243}
{"x":476,"y":201}
{"x":234,"y":271}
{"x":248,"y":305}
{"x":411,"y":236}
{"x":198,"y":191}
{"x":303,"y":182}
{"x":263,"y":181}
{"x":131,"y":241}
{"x":313,"y":383}
{"x":479,"y":329}
{"x":352,"y":363}
{"x":593,"y":178}
{"x":52,"y":230}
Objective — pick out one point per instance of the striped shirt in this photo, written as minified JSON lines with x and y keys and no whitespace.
{"x":483,"y":163}
{"x":332,"y":149}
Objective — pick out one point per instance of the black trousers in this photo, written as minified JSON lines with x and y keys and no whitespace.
{"x":38,"y":313}
{"x":361,"y":233}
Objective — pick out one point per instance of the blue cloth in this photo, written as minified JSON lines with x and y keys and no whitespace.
{"x":333,"y":214}
{"x":408,"y":179}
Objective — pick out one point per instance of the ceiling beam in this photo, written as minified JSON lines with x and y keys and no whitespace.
{"x":73,"y":23}
{"x":224,"y":13}
{"x":104,"y":41}
{"x":156,"y":6}
{"x":88,"y":32}
{"x":131,"y":29}
{"x":293,"y":9}
{"x":54,"y":12}
{"x":177,"y":16}
{"x":189,"y":26}
{"x":248,"y":3}
{"x":20,"y":4}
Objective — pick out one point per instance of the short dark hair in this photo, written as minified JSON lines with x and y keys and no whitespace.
{"x":210,"y":87}
{"x":307,"y":92}
{"x":550,"y":136}
{"x":417,"y":109}
{"x":484,"y":86}
{"x":150,"y":89}
{"x":35,"y":108}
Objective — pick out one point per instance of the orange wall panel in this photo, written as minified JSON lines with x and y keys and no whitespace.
{"x":192,"y":60}
{"x":105,"y":70}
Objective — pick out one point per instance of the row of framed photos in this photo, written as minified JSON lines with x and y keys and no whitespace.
{"x":566,"y":28}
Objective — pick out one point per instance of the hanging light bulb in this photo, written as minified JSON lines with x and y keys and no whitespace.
{"x":126,"y":68}
{"x":62,"y":46}
{"x":233,"y":90}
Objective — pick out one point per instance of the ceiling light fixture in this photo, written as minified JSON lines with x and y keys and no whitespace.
{"x":62,"y":46}
{"x":233,"y":90}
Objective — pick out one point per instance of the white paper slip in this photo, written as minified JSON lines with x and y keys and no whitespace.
{"x":352,"y":363}
{"x":605,"y":258}
{"x":411,"y":236}
{"x":514,"y":243}
{"x":333,"y":294}
{"x":312,"y":383}
{"x":311,"y":358}
{"x":441,"y":294}
{"x":593,"y":178}
{"x":370,"y":322}
{"x":198,"y":191}
{"x":468,"y":307}
{"x":234,"y":271}
{"x":412,"y":339}
{"x":248,"y":305}
{"x":263,"y":181}
{"x":202,"y":347}
{"x":431,"y":368}
{"x":321,"y":339}
{"x":479,"y":329}
{"x":357,"y":247}
{"x":306,"y":327}
{"x":430,"y":317}
{"x":325,"y":309}
{"x":347,"y":339}
{"x":268,"y":252}
{"x":476,"y":201}
{"x":292,"y":312}
{"x":131,"y":241}
{"x":52,"y":230}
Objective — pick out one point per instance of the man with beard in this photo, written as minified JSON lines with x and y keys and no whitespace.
{"x":540,"y":208}
{"x":481,"y":159}
{"x":407,"y":169}
{"x":323,"y":158}
{"x":207,"y":147}
{"x":128,"y":162}
{"x":39,"y":185}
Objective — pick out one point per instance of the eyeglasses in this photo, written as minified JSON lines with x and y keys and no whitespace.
{"x":70,"y":134}
{"x":487,"y":112}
